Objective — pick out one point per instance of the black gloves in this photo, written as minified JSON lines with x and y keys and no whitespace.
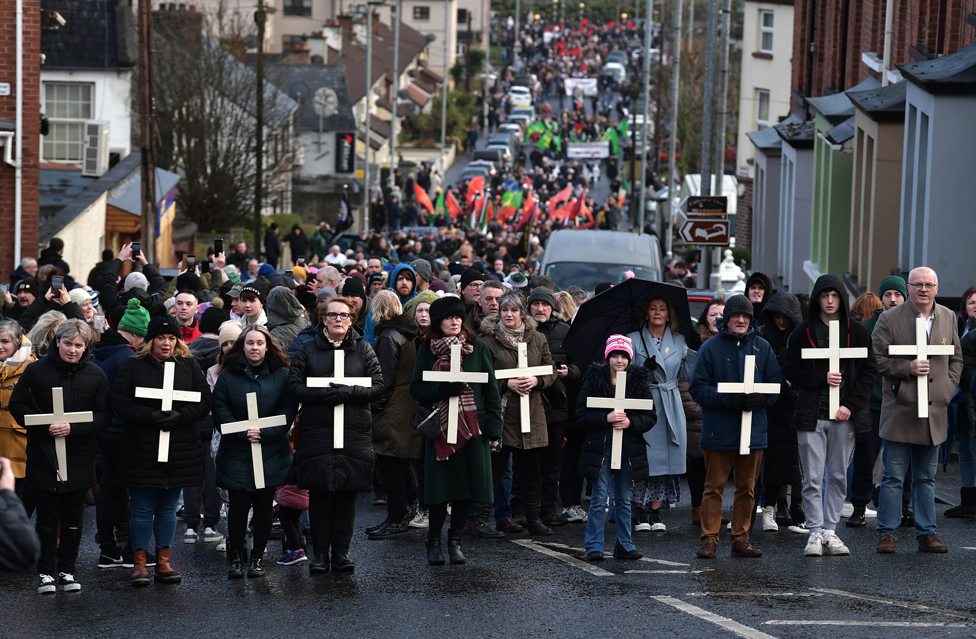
{"x":166,"y":419}
{"x":450,"y":389}
{"x":651,"y":363}
{"x":343,"y":393}
{"x":750,"y":402}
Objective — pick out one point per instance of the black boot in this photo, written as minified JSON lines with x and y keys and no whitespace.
{"x":341,"y":562}
{"x":389,"y":530}
{"x":320,"y":564}
{"x":454,"y":546}
{"x":783,"y":517}
{"x":967,"y":507}
{"x":434,"y":555}
{"x":857,"y":519}
{"x":237,"y":560}
{"x":619,"y":552}
{"x":536,"y":527}
{"x":256,"y":569}
{"x":907,"y":516}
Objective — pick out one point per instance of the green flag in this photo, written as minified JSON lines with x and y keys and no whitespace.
{"x":624,"y":184}
{"x":440,"y":208}
{"x":559,"y":143}
{"x":614,"y":140}
{"x":622,"y":127}
{"x":544,"y":141}
{"x":512,"y":198}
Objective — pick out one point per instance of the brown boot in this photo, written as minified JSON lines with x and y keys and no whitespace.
{"x":164,"y":572}
{"x":140,"y":573}
{"x":707,"y":551}
{"x":743,"y":548}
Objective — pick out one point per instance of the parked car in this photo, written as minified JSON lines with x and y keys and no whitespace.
{"x":526,"y":111}
{"x":587,"y":257}
{"x":617,"y":71}
{"x":520,"y":96}
{"x":508,"y":158}
{"x":474,"y":171}
{"x":528,"y":80}
{"x":512,"y":127}
{"x":495,"y":156}
{"x":508,"y":138}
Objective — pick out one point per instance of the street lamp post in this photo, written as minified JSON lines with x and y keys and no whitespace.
{"x":582,"y":6}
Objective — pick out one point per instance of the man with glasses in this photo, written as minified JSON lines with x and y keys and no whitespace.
{"x":910,"y":439}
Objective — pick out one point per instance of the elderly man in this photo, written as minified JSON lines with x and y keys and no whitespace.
{"x":490,"y":292}
{"x":335,"y":256}
{"x":910,"y":439}
{"x":327,"y":276}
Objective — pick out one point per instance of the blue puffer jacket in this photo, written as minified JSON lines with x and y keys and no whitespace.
{"x":369,"y":330}
{"x":722,"y":359}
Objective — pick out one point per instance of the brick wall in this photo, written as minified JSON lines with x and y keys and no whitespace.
{"x":31,"y":131}
{"x":743,"y":215}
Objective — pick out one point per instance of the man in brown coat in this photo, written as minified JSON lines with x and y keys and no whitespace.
{"x":908,"y":439}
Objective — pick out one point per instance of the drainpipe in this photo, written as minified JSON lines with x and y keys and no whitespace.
{"x":19,"y":162}
{"x":889,"y":20}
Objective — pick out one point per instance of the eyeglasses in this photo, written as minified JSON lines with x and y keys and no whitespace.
{"x":923,"y":286}
{"x":338,"y":316}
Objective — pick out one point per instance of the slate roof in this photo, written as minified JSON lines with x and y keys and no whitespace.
{"x":305,"y":79}
{"x":799,"y":135}
{"x":838,"y":107}
{"x":769,"y":139}
{"x":885,"y":104}
{"x":842,"y":132}
{"x":93,"y":36}
{"x":954,"y":74}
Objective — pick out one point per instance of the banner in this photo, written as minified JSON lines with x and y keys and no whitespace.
{"x":588,"y":150}
{"x":588,"y":85}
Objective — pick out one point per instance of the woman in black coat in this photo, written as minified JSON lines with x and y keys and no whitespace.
{"x":333,"y":476}
{"x":596,"y":456}
{"x":154,"y":486}
{"x":255,"y":365}
{"x":781,"y":468}
{"x":59,"y":499}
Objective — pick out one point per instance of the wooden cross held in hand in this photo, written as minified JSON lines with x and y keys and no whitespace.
{"x":921,"y":350}
{"x":454,"y":375}
{"x":167,"y":395}
{"x":833,"y":354}
{"x":747,"y":386}
{"x":339,"y":377}
{"x":59,"y":417}
{"x":253,"y":421}
{"x":621,"y":403}
{"x":523,"y":370}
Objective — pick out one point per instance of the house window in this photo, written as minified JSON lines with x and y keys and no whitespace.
{"x":67,"y":106}
{"x":766,"y":31}
{"x":298,"y":8}
{"x":762,"y":109}
{"x":421,"y":13}
{"x":462,"y":15}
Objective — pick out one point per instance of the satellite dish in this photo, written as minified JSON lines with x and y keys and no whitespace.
{"x":299,"y":92}
{"x":325,"y":102}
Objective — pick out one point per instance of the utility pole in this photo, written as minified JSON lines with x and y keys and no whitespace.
{"x":723,"y":88}
{"x":447,"y":26}
{"x":467,"y":57}
{"x":259,"y":16}
{"x":660,"y":85}
{"x":691,"y":23}
{"x":633,"y":159}
{"x":517,"y":46}
{"x":486,"y":32}
{"x":396,"y":97}
{"x":646,"y":120}
{"x":672,"y":147}
{"x":368,"y":138}
{"x":147,"y":132}
{"x":708,"y":129}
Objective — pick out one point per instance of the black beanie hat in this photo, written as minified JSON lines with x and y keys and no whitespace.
{"x":353,"y":287}
{"x":115,"y":316}
{"x":162,"y":325}
{"x":211,"y":320}
{"x":447,"y":306}
{"x":542,"y":294}
{"x":737,"y":305}
{"x":188,"y":282}
{"x":471,"y":275}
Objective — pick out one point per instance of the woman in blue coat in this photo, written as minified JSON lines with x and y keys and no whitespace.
{"x":254,"y":364}
{"x":659,"y":347}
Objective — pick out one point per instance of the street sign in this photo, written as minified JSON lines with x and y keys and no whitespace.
{"x":707,"y":206}
{"x":706,"y":232}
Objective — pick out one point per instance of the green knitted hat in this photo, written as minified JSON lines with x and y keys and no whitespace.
{"x":893,"y":283}
{"x":136,"y":318}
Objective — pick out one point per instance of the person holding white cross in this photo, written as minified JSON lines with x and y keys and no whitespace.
{"x":732,"y":357}
{"x":830,"y":365}
{"x":62,"y":402}
{"x":253,"y":366}
{"x":613,"y":451}
{"x":159,"y":394}
{"x":920,"y":358}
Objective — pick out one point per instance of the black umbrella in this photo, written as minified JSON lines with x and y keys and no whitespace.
{"x":620,"y":310}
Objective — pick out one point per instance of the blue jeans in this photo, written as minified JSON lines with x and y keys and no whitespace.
{"x":622,"y":483}
{"x":924,"y":461}
{"x":153,"y":511}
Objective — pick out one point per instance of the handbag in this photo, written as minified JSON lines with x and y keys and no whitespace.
{"x":423,"y":422}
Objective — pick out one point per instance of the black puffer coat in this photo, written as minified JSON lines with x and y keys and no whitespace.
{"x":85,"y":388}
{"x":138,"y":465}
{"x":397,"y":354}
{"x":782,"y":458}
{"x":597,"y":384}
{"x":321,"y":466}
{"x":556,"y":395}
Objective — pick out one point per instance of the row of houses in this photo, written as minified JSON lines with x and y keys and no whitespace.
{"x":857,"y":168}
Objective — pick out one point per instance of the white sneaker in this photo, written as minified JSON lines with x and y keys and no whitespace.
{"x":769,"y":519}
{"x":48,"y":585}
{"x":421,"y":520}
{"x":574,"y":515}
{"x":832,"y":545}
{"x":814,"y":545}
{"x":847,"y":510}
{"x":222,"y":546}
{"x":211,"y":536}
{"x":67,"y":583}
{"x":870,"y":514}
{"x":190,"y":536}
{"x":800,"y":529}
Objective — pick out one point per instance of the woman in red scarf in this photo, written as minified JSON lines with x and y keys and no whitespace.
{"x":458,"y":473}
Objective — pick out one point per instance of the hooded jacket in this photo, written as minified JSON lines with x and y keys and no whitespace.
{"x":370,"y":327}
{"x":555,"y":331}
{"x":782,"y":457}
{"x":13,"y":436}
{"x":767,"y":283}
{"x":109,"y":354}
{"x":286,"y":317}
{"x":808,"y":378}
{"x":396,"y":350}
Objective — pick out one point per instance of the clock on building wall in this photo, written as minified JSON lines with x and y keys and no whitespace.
{"x":325,"y":102}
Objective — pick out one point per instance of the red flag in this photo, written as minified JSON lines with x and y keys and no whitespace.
{"x":562,"y":196}
{"x":529,"y":203}
{"x":422,"y":198}
{"x":505,"y":214}
{"x":476,"y":185}
{"x":561,"y":215}
{"x":453,"y":207}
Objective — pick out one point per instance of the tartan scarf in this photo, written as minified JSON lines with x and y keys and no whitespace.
{"x":467,"y":409}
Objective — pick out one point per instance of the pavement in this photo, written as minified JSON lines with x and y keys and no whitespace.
{"x":531,"y":587}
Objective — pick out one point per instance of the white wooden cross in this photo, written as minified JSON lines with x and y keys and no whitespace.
{"x":621,"y":403}
{"x":339,"y":377}
{"x":253,"y":421}
{"x":922,"y":350}
{"x":833,"y":354}
{"x":167,"y":396}
{"x":454,"y":375}
{"x":59,"y":417}
{"x":523,"y":370}
{"x":747,"y":386}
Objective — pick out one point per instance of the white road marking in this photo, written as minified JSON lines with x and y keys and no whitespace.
{"x":572,"y":561}
{"x":555,"y":544}
{"x":728,"y":624}
{"x":667,"y":572}
{"x":754,"y":594}
{"x":969,"y":547}
{"x":665,"y":562}
{"x":879,"y":624}
{"x":893,"y":602}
